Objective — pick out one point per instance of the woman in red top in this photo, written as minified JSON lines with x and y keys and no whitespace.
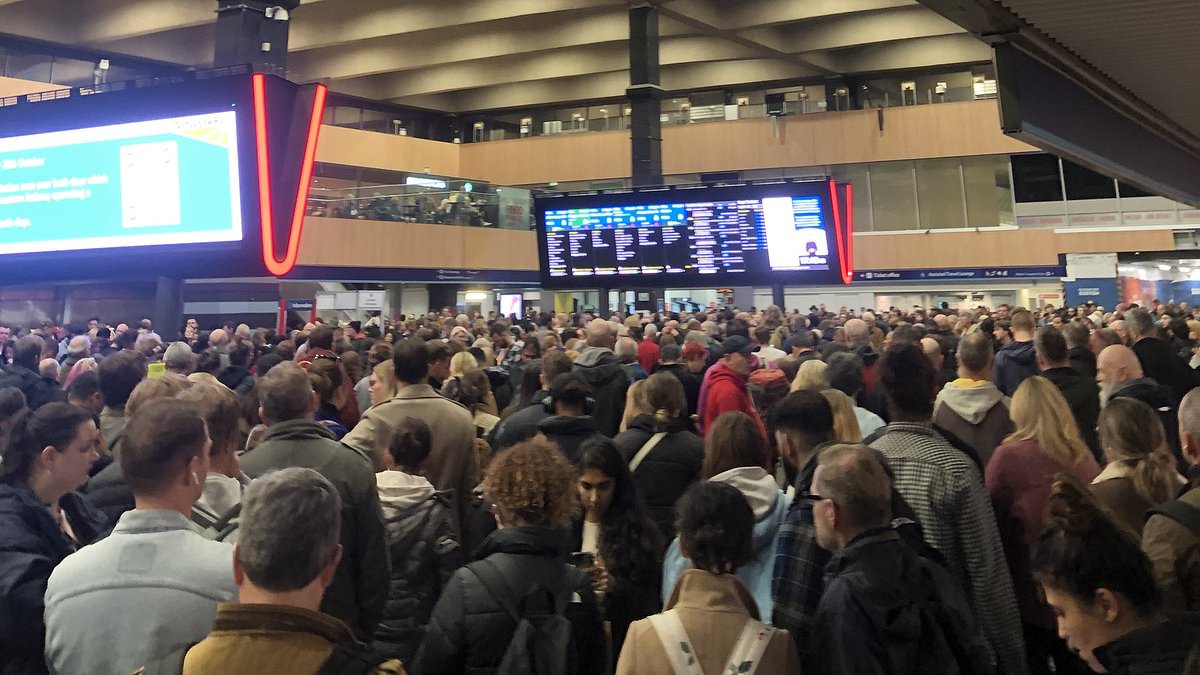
{"x":1019,"y":476}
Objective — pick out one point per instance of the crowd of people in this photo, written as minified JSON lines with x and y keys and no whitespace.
{"x":926,"y":491}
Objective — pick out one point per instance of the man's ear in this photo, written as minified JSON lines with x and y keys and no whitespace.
{"x":331,"y":568}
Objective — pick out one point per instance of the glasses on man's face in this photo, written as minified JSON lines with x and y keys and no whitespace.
{"x":811,"y":497}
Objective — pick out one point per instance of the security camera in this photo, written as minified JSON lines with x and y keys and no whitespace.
{"x":277,"y":13}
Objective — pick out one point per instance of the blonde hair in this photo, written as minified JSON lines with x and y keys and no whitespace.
{"x":1132,"y":434}
{"x":461,"y":363}
{"x":1041,"y":414}
{"x":385,"y":372}
{"x":845,"y":424}
{"x":485,"y":345}
{"x":811,"y":377}
{"x":635,"y":404}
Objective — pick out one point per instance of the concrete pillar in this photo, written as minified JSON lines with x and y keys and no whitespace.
{"x":645,"y":95}
{"x":253,"y":32}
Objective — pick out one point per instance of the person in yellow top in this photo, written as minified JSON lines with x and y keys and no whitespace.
{"x":284,"y":560}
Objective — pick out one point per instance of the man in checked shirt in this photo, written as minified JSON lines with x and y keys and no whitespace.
{"x":945,"y":490}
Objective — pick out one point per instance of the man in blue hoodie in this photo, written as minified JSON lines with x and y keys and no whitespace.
{"x":1018,"y":360}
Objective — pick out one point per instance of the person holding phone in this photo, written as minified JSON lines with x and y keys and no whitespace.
{"x":615,"y":540}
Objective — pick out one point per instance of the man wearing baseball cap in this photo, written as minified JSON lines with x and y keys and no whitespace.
{"x":726,"y":388}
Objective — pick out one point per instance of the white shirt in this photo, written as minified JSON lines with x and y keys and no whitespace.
{"x":591,"y":538}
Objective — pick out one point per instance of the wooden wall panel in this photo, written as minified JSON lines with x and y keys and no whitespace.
{"x":355,"y":147}
{"x":1004,"y":248}
{"x":337,"y":242}
{"x":10,"y":86}
{"x":1121,"y":242}
{"x":595,"y":155}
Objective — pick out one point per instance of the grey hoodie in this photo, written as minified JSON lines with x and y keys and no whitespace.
{"x":977,"y":414}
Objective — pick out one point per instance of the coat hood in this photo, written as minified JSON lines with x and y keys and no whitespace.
{"x":596,"y":356}
{"x":646,"y":423}
{"x":721,"y":372}
{"x":971,"y":399}
{"x":1022,"y":353}
{"x":600,"y":366}
{"x":399,"y":490}
{"x":539,"y":541}
{"x":568,"y":426}
{"x":765,"y":498}
{"x":297,"y":430}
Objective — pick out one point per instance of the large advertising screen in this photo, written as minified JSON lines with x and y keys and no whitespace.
{"x":780,"y":233}
{"x":161,"y":181}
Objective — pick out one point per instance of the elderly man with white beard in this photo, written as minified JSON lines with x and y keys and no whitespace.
{"x":1119,"y":374}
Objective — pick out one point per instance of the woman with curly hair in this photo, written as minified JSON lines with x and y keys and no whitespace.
{"x":1101,"y":587}
{"x":520,"y":569}
{"x":625,"y":546}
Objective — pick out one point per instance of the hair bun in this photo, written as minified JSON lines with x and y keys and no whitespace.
{"x":1072,"y":507}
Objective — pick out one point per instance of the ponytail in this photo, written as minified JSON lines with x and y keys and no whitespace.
{"x":1155,"y":476}
{"x":1132,"y":433}
{"x":662,"y":418}
{"x":52,"y":425}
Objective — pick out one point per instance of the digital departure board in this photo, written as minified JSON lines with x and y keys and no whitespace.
{"x":779,"y":233}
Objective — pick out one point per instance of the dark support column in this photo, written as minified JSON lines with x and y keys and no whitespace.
{"x":645,"y":95}
{"x":247,"y":35}
{"x":777,"y":297}
{"x":603,"y":309}
{"x":168,"y":308}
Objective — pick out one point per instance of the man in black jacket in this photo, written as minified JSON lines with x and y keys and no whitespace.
{"x":1159,"y":359}
{"x":1081,"y":392}
{"x":23,"y":374}
{"x":668,"y":362}
{"x":603,"y":371}
{"x":571,"y":424}
{"x":287,"y":403}
{"x":522,"y":425}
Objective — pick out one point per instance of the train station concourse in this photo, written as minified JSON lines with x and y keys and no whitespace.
{"x":599,"y":336}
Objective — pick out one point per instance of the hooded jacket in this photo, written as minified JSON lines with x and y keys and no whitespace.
{"x":609,"y":380}
{"x":1014,"y":363}
{"x":727,"y":391}
{"x":770,"y":506}
{"x":356,"y":593}
{"x":569,"y":433}
{"x":667,"y":471}
{"x":1083,"y":397}
{"x":976,"y":412}
{"x":424,"y":552}
{"x":521,"y":425}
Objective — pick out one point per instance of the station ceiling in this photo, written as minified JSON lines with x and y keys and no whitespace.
{"x":461,"y":55}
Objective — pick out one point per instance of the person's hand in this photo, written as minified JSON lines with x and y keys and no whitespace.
{"x":601,"y":582}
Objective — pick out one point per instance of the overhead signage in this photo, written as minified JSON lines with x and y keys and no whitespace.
{"x":371,"y":300}
{"x":955,"y":274}
{"x":420,"y":181}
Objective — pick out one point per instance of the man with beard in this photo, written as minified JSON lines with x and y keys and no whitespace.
{"x":1119,"y":374}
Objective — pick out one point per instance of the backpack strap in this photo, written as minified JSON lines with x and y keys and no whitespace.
{"x":493,"y":580}
{"x":170,"y":663}
{"x":349,"y":658}
{"x":675,"y":643}
{"x":648,"y":446}
{"x":1181,"y":512}
{"x":748,"y":650}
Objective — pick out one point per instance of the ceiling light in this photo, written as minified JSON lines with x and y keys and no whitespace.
{"x":1185,"y":270}
{"x":476,"y":296}
{"x":1165,"y":268}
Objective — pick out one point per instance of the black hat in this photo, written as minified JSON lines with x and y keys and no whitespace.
{"x":736,"y":343}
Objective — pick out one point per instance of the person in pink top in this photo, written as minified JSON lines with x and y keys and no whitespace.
{"x":1018,"y":477}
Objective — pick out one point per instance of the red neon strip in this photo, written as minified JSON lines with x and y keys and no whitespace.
{"x":849,"y":265}
{"x":273,"y":264}
{"x":837,"y":229}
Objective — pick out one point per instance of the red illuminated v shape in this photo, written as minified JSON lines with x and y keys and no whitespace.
{"x":275,"y":265}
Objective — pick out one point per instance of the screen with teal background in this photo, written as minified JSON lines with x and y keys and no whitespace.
{"x":145,"y":183}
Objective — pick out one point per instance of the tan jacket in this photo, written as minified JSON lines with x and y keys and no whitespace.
{"x":713,"y":610}
{"x":260,"y":639}
{"x":451,"y":464}
{"x":1175,"y":552}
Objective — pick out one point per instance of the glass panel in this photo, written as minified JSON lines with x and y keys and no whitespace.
{"x":347,"y":116}
{"x":1083,"y":183}
{"x":856,"y":175}
{"x":1036,"y":179}
{"x":940,"y":195}
{"x":893,"y":199}
{"x":1128,"y":190}
{"x":73,"y":72}
{"x":989,"y":196}
{"x":34,"y":67}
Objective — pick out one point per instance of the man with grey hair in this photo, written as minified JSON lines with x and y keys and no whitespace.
{"x":1171,"y":539}
{"x":858,"y":334}
{"x":877,"y":582}
{"x":179,"y":358}
{"x":287,"y":403}
{"x":1159,"y":359}
{"x":287,"y":556}
{"x":627,"y":354}
{"x":602,"y":369}
{"x":971,"y":407}
{"x":78,"y":349}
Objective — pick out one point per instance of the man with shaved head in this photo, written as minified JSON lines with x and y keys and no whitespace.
{"x":1171,"y":543}
{"x":602,"y":369}
{"x":971,"y":407}
{"x":1119,"y":374}
{"x":858,"y":334}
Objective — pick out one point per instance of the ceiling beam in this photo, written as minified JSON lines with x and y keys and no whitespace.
{"x":905,"y":54}
{"x":742,"y":15}
{"x":853,"y":30}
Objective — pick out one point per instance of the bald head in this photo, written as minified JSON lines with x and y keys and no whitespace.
{"x":933,"y":349}
{"x":1189,"y":427}
{"x":857,"y":330}
{"x":1117,"y":365}
{"x":942,"y":322}
{"x":601,"y":333}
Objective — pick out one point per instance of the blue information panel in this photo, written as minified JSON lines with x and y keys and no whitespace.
{"x":955,"y":274}
{"x":162,"y":181}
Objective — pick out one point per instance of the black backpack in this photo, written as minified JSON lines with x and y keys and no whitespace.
{"x":543,"y":642}
{"x":346,"y":659}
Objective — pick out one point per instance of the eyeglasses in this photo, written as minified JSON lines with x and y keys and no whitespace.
{"x":811,"y":497}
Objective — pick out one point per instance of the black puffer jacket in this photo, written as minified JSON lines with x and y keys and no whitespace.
{"x":470,"y":630}
{"x":609,"y":382}
{"x":568,"y":433}
{"x":667,"y":472}
{"x":108,"y":492}
{"x":424,"y":553}
{"x":38,"y":390}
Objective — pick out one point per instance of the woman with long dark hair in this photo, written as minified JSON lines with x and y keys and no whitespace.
{"x":625,"y":546}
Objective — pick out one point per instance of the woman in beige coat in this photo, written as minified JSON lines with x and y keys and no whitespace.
{"x":711,"y":623}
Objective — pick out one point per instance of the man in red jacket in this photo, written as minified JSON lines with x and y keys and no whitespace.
{"x":727,"y":385}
